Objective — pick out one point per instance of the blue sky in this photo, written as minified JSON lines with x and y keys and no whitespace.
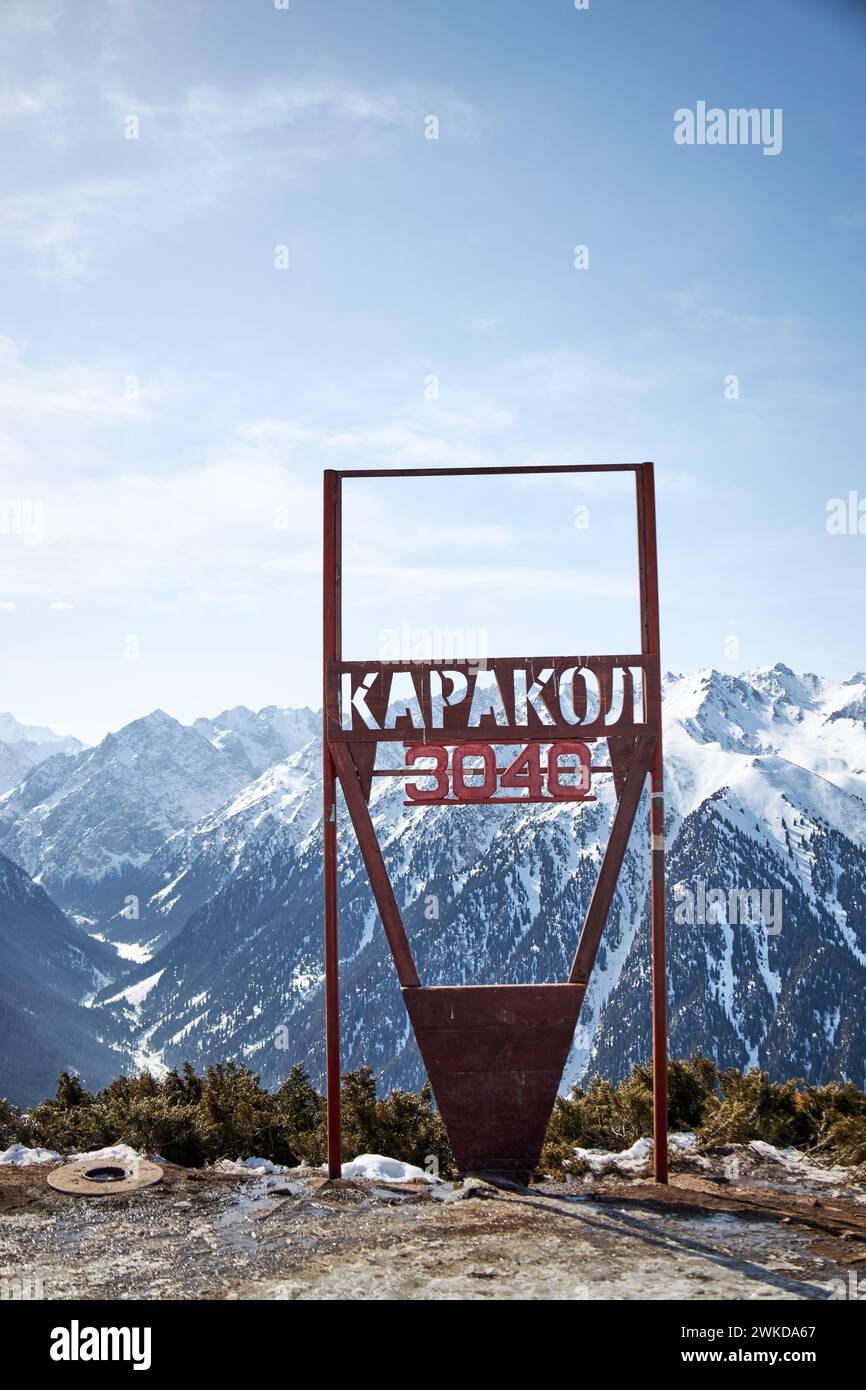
{"x":170,"y":397}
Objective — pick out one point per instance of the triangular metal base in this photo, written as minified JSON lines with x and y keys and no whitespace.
{"x":495,"y":1056}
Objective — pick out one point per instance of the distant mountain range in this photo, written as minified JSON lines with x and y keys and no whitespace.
{"x":186,"y":860}
{"x":22,"y":746}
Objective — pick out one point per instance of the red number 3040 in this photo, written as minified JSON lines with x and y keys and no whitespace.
{"x":525,"y":774}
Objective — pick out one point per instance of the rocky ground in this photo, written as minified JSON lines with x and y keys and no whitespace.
{"x":737,"y":1226}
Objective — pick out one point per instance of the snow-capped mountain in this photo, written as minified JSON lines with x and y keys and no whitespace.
{"x":258,"y":740}
{"x":766,"y":777}
{"x":78,"y":823}
{"x":23,"y":746}
{"x":279,"y":807}
{"x":43,"y":739}
{"x":14,"y":766}
{"x":49,"y":972}
{"x":85,"y":820}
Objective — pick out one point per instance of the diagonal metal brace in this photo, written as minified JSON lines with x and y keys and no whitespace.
{"x":605,"y":885}
{"x":376,"y":870}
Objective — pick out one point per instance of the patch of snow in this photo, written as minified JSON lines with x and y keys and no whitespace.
{"x":631,"y":1160}
{"x":20,"y":1156}
{"x":114,"y":1153}
{"x":797,"y":1163}
{"x":132,"y":950}
{"x":636,"y":1158}
{"x":257,"y":1166}
{"x":377,"y":1168}
{"x":136,"y":994}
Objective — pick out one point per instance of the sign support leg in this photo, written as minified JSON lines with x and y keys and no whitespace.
{"x":659,"y":973}
{"x":650,"y":638}
{"x":331,"y":651}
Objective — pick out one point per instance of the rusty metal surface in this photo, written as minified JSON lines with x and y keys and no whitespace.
{"x":488,"y":471}
{"x":445,"y":713}
{"x":331,"y":639}
{"x":77,"y":1178}
{"x":651,"y":642}
{"x":495,"y":1055}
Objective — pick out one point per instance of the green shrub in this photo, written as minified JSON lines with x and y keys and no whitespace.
{"x":194,"y":1120}
{"x":825,"y":1106}
{"x":299,"y":1107}
{"x":846,"y":1140}
{"x":611,"y":1117}
{"x":226,"y":1113}
{"x":405,"y":1125}
{"x":235,"y":1117}
{"x":71,"y":1120}
{"x":9,"y":1121}
{"x":751,"y":1106}
{"x":722,"y":1107}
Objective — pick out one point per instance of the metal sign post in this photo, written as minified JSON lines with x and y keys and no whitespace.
{"x":495,"y":1053}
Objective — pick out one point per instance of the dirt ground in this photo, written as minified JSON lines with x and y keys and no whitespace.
{"x":200,"y":1234}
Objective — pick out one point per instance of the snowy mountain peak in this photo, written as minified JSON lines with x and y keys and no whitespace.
{"x":766,"y":796}
{"x":157,"y":724}
{"x":113,"y":805}
{"x":12,"y":731}
{"x":24,"y":746}
{"x":257,"y":740}
{"x":784,"y":686}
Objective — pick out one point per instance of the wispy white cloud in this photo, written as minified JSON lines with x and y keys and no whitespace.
{"x":76,"y":419}
{"x":70,"y":390}
{"x":138,"y":541}
{"x":389,"y":445}
{"x":189,"y":153}
{"x":566,"y":373}
{"x":42,"y":98}
{"x":778,"y":336}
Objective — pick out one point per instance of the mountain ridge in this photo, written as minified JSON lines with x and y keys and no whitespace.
{"x":766,"y":775}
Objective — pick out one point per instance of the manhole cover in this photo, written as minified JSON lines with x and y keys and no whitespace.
{"x":88,"y":1177}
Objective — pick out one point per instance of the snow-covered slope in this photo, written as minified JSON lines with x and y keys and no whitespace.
{"x":817,"y":724}
{"x":278,"y":807}
{"x":49,"y":972}
{"x":258,"y":740}
{"x":76,"y":820}
{"x":43,"y":739}
{"x":766,"y":792}
{"x":23,"y":746}
{"x":14,"y":765}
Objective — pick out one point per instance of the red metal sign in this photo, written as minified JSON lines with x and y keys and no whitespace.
{"x":511,"y":698}
{"x":503,"y":732}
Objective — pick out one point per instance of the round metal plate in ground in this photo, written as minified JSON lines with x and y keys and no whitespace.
{"x":103,"y":1177}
